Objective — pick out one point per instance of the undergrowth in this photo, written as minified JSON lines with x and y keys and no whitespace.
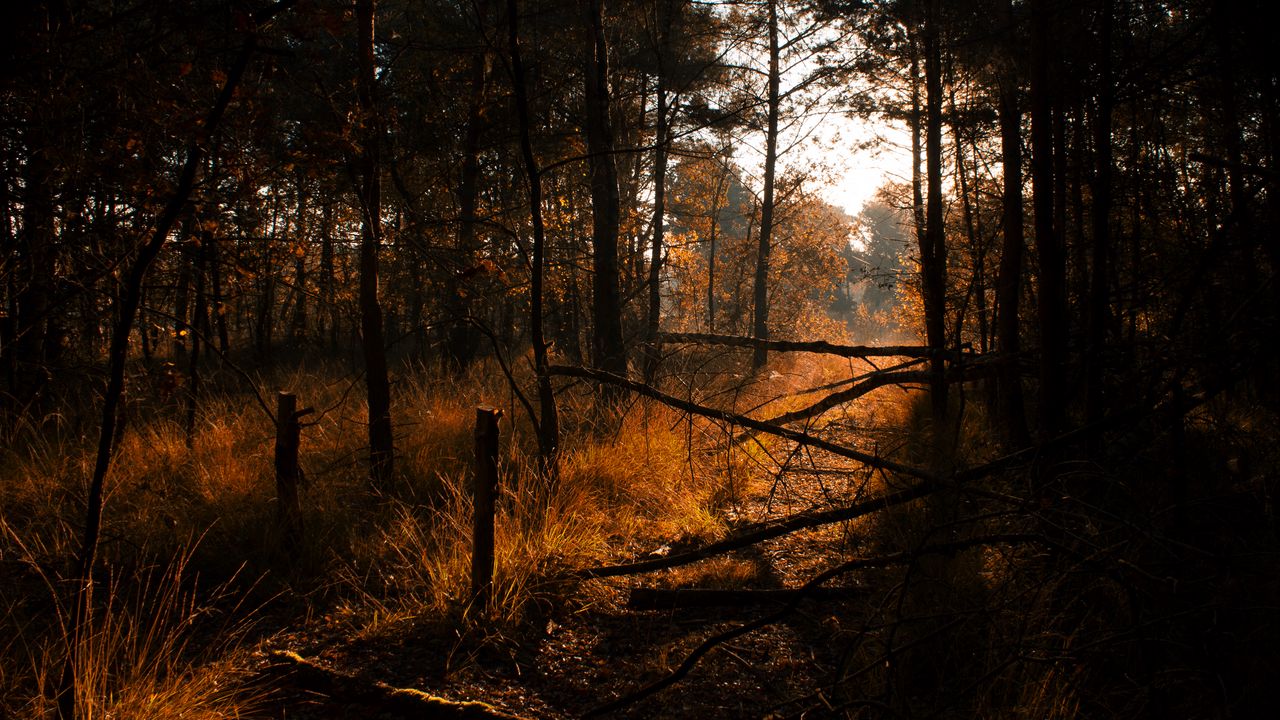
{"x":203,"y":507}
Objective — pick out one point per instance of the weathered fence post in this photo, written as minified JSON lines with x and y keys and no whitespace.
{"x":484,"y":491}
{"x":288,"y":474}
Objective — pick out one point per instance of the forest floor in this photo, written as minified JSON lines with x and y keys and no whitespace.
{"x":577,"y":654}
{"x":583,"y":646}
{"x":977,"y":603}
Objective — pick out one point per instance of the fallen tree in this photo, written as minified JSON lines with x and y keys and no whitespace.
{"x":815,"y":584}
{"x":287,"y":669}
{"x":821,"y":347}
{"x":681,"y":598}
{"x":747,"y":422}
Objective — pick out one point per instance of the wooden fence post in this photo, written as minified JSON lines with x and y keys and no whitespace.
{"x":484,"y":492}
{"x":288,"y":473}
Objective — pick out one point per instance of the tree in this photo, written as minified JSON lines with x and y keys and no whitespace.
{"x":548,"y":428}
{"x":381,"y":447}
{"x":1009,"y":277}
{"x":1050,"y":256}
{"x":607,"y":348}
{"x":760,"y":292}
{"x":933,"y":251}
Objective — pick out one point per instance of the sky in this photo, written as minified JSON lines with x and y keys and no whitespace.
{"x":862,"y":155}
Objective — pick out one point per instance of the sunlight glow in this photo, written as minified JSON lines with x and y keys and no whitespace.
{"x":861,"y":155}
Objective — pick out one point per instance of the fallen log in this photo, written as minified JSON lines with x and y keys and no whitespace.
{"x":287,"y":669}
{"x":821,"y":347}
{"x":761,"y":532}
{"x":682,"y":598}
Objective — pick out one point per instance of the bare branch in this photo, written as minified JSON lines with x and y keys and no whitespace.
{"x":815,"y":346}
{"x":743,"y":420}
{"x":898,"y":558}
{"x":767,"y":531}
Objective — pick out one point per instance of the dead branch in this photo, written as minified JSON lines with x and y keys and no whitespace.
{"x":679,"y":598}
{"x":812,"y":346}
{"x":898,"y":558}
{"x":767,"y":531}
{"x":734,"y":418}
{"x":288,"y":669}
{"x":874,"y":381}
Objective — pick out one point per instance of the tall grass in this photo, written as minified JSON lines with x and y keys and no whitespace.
{"x":629,"y":480}
{"x":629,"y":485}
{"x":151,"y":646}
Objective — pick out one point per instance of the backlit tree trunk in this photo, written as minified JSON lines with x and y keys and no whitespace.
{"x":760,"y":325}
{"x":548,"y":422}
{"x":381,"y":451}
{"x":606,"y":338}
{"x":1009,"y":275}
{"x":1049,"y":252}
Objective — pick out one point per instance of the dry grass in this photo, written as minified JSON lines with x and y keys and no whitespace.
{"x":627,"y":482}
{"x":150,"y":647}
{"x":618,"y":490}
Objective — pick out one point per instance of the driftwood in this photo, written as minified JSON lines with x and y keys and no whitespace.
{"x":815,"y":346}
{"x":289,"y":670}
{"x":672,"y":599}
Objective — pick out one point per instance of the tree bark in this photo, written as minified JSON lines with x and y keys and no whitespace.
{"x":711,"y":254}
{"x":760,"y":325}
{"x":548,"y":423}
{"x":381,"y":450}
{"x":933,"y":254}
{"x":1099,"y":271}
{"x":1009,"y":274}
{"x":659,"y":210}
{"x":1050,"y":257}
{"x":460,"y":345}
{"x":606,"y":337}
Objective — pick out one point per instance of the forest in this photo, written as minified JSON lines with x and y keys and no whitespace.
{"x":512,"y":359}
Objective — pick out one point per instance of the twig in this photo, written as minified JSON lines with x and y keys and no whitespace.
{"x":817,"y":581}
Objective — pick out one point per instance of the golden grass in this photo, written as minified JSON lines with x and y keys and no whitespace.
{"x":148,"y":648}
{"x":629,"y":488}
{"x":627,"y":483}
{"x":630,"y":481}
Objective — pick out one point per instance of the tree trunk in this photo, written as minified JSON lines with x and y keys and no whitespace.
{"x":933,"y":254}
{"x":298,"y":324}
{"x":460,"y":344}
{"x":182,"y":328}
{"x":760,"y":325}
{"x":659,"y":209}
{"x":711,"y":254}
{"x":1009,"y":275}
{"x":1049,"y":253}
{"x":606,"y":337}
{"x":328,"y":279}
{"x":118,"y":356}
{"x":548,"y":422}
{"x":1099,"y":272}
{"x":381,"y":450}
